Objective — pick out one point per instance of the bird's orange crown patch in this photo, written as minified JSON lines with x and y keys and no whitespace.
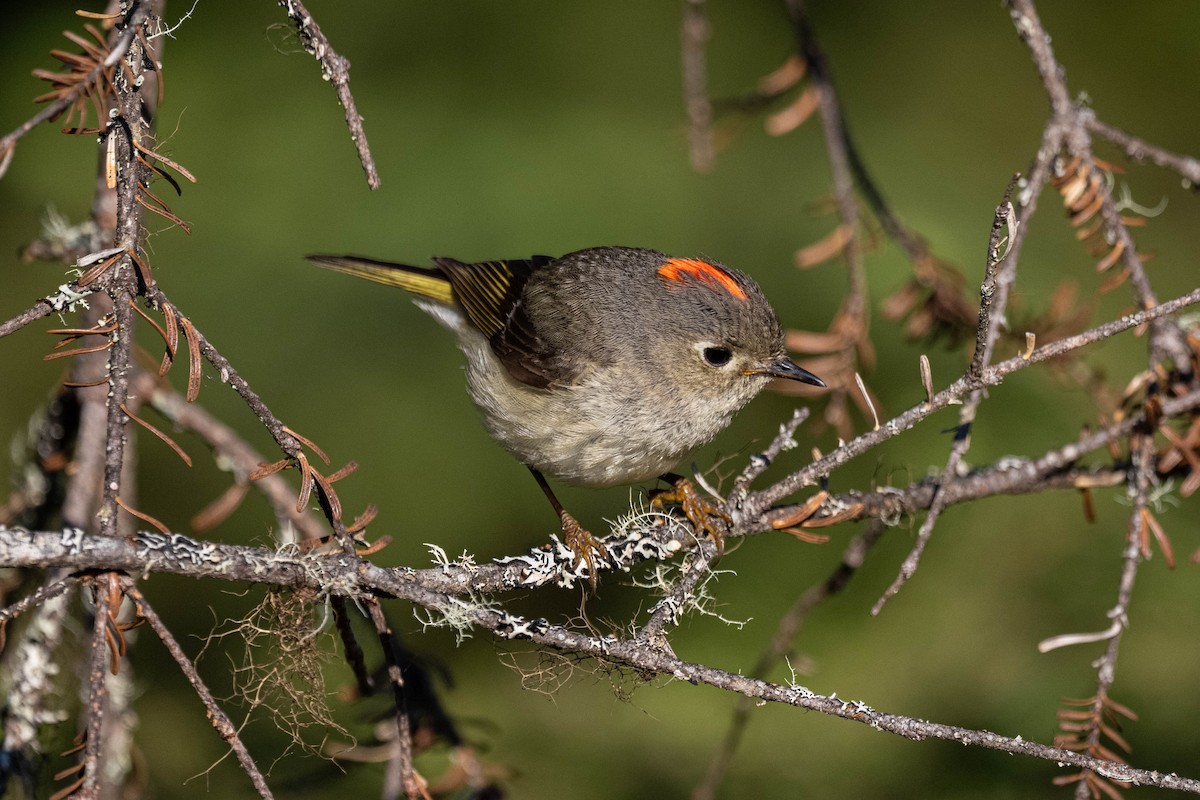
{"x":680,"y":269}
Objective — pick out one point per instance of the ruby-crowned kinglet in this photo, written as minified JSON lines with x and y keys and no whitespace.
{"x":603,"y":367}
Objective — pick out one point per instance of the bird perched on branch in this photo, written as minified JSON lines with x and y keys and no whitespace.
{"x":603,"y":367}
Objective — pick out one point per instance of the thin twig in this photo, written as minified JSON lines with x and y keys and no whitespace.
{"x":117,"y":50}
{"x":412,"y":782}
{"x":993,"y":303}
{"x":336,"y":69}
{"x":43,"y":593}
{"x":758,"y":502}
{"x":844,"y":160}
{"x":668,"y":611}
{"x":782,"y":641}
{"x":350,"y":646}
{"x":1141,"y":150}
{"x":130,"y":124}
{"x":31,"y":314}
{"x":837,"y":145}
{"x":1167,"y":340}
{"x":233,"y":449}
{"x":229,"y":375}
{"x":759,"y":462}
{"x":1106,"y":667}
{"x":216,"y":717}
{"x":97,"y":700}
{"x":694,"y":40}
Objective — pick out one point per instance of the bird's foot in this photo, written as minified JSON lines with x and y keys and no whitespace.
{"x":705,"y":516}
{"x":586,"y":547}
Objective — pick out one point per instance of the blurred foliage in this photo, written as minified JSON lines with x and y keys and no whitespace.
{"x":505,"y":129}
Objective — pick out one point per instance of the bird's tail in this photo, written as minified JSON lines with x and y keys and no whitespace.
{"x":421,"y":281}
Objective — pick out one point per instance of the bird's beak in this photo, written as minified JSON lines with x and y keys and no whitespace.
{"x":784,"y":367}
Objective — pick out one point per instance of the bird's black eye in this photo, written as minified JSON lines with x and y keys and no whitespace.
{"x":717,"y":356}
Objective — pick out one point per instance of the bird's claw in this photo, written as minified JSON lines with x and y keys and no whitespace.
{"x":584,"y":545}
{"x":705,"y":516}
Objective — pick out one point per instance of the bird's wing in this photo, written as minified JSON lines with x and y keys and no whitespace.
{"x":490,"y":292}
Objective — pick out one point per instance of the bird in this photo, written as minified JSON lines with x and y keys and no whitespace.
{"x":606,"y":366}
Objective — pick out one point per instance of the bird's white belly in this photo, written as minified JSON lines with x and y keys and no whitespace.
{"x":586,"y":435}
{"x":601,"y":432}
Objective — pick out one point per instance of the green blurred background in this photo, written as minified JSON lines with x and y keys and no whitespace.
{"x":502,"y":130}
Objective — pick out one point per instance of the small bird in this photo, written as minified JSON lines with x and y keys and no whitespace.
{"x":603,"y":367}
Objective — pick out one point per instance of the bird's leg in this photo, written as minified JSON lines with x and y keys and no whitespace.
{"x":699,"y":510}
{"x":579,"y":540}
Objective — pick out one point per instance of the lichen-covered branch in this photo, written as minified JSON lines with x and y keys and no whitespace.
{"x":345,"y":576}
